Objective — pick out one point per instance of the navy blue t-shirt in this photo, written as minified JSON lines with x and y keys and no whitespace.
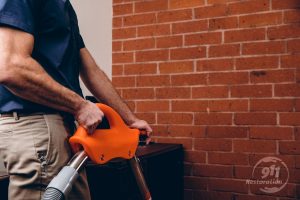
{"x":57,"y":42}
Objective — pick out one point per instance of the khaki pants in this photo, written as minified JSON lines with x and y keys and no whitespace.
{"x":34,"y":149}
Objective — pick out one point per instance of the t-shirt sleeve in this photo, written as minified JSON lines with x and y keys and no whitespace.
{"x":80,"y":41}
{"x":18,"y":14}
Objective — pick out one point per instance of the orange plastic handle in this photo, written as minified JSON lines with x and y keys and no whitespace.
{"x":105,"y":144}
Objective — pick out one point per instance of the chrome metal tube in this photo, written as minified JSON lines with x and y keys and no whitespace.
{"x":78,"y":160}
{"x":139,"y":177}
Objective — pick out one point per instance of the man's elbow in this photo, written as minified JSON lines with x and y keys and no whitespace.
{"x":8,"y":70}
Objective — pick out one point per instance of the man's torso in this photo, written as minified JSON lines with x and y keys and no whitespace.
{"x":57,"y":42}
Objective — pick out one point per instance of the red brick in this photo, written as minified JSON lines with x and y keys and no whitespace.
{"x":187,"y":168}
{"x":257,"y":20}
{"x":291,"y":16}
{"x":203,"y":38}
{"x":272,"y":133}
{"x":152,"y":106}
{"x":117,"y":70}
{"x":169,"y":41}
{"x":213,"y":171}
{"x":228,"y":158}
{"x":138,"y":69}
{"x":297,"y":161}
{"x":148,"y":6}
{"x":228,"y":185}
{"x":133,"y":20}
{"x":288,"y":191}
{"x":149,"y":117}
{"x":293,"y":46}
{"x":265,"y":62}
{"x":138,"y":44}
{"x":122,"y":57}
{"x":223,"y":23}
{"x":213,"y":144}
{"x":150,"y":81}
{"x":189,"y":79}
{"x":154,"y":30}
{"x":287,"y":159}
{"x":290,"y":118}
{"x":213,"y":118}
{"x":251,"y":91}
{"x":228,"y":78}
{"x":123,"y":81}
{"x":187,"y":131}
{"x":160,"y":130}
{"x":190,"y":26}
{"x":152,"y":55}
{"x":283,"y":32}
{"x":272,"y":76}
{"x":215,"y":65}
{"x":122,"y":9}
{"x":253,"y":6}
{"x":171,"y":16}
{"x":258,"y":146}
{"x":297,"y":105}
{"x":255,"y":118}
{"x":186,"y":142}
{"x":195,"y":183}
{"x":244,"y":35}
{"x":289,"y":147}
{"x":243,"y":172}
{"x":173,"y":93}
{"x":211,"y":11}
{"x":195,"y":157}
{"x":220,"y":1}
{"x":287,"y":90}
{"x":227,"y":132}
{"x":117,"y":22}
{"x":210,"y":92}
{"x":286,"y":4}
{"x":123,"y":33}
{"x":228,"y":105}
{"x":189,"y":106}
{"x":188,"y":53}
{"x":116,"y":46}
{"x":256,"y":48}
{"x":290,"y":61}
{"x":117,"y":1}
{"x":253,"y":197}
{"x":176,"y":67}
{"x":211,"y":195}
{"x":175,"y":4}
{"x":141,"y":93}
{"x":271,"y":104}
{"x":224,"y":50}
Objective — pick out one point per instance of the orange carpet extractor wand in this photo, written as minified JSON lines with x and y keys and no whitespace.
{"x":102,"y":146}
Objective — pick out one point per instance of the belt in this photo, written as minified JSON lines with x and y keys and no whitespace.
{"x":17,"y":115}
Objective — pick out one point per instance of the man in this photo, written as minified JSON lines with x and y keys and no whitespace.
{"x":41,"y":57}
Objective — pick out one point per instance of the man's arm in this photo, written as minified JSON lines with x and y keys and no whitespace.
{"x":26,"y":78}
{"x":101,"y":87}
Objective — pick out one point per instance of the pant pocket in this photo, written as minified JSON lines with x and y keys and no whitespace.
{"x":41,"y":139}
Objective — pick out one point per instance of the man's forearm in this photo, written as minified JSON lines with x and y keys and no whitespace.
{"x":101,"y":87}
{"x":30,"y":81}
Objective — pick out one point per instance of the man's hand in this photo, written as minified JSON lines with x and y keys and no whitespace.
{"x":89,"y":116}
{"x":144,"y":128}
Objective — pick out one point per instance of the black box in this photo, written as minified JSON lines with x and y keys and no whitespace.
{"x":163,"y":170}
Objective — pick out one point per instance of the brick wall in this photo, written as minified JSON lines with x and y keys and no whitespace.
{"x":219,"y":76}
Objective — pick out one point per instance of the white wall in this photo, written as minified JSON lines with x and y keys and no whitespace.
{"x":95,"y":23}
